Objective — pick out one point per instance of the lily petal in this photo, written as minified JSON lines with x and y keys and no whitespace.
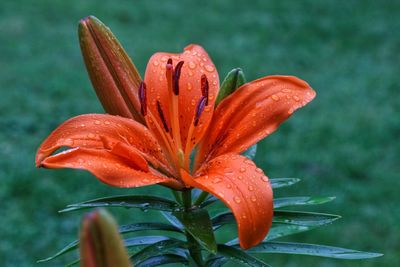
{"x":107,"y":167}
{"x":251,"y":113}
{"x":244,"y":188}
{"x":196,"y":63}
{"x":101,"y":131}
{"x":113,"y":75}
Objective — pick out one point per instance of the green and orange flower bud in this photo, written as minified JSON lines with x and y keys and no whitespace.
{"x":100,"y":242}
{"x":113,"y":74}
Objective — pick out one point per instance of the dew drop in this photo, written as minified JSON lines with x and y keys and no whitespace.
{"x":107,"y":122}
{"x":192,"y":65}
{"x":228,"y":171}
{"x":286,"y":90}
{"x":259,"y":170}
{"x":69,"y":142}
{"x":229,"y":186}
{"x":244,"y":216}
{"x":296,"y":98}
{"x":264,"y":178}
{"x":242,"y":169}
{"x":240,"y":177}
{"x":189,"y":86}
{"x":209,"y":68}
{"x":97,"y":122}
{"x":156,"y":63}
{"x":253,"y":199}
{"x":91,"y":136}
{"x":193,"y":102}
{"x":275,"y":97}
{"x":164,"y":58}
{"x":237,"y":199}
{"x":251,"y":188}
{"x":216,"y":180}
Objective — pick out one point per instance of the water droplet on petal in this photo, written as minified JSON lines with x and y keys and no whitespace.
{"x":264,"y":178}
{"x":209,"y":68}
{"x":275,"y":97}
{"x":251,"y":188}
{"x":242,"y":169}
{"x":189,"y":86}
{"x":296,"y":98}
{"x":107,"y":122}
{"x":229,"y":186}
{"x":69,"y":142}
{"x":240,"y":177}
{"x":156,"y":63}
{"x":91,"y":136}
{"x":253,"y":198}
{"x":259,"y":170}
{"x":97,"y":122}
{"x":237,"y":199}
{"x":192,"y":65}
{"x":216,"y":180}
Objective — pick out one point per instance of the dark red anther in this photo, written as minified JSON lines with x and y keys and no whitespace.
{"x":204,"y":87}
{"x":177,"y":74}
{"x":199,"y":109}
{"x":143,"y":98}
{"x":162,"y":117}
{"x":169,"y":62}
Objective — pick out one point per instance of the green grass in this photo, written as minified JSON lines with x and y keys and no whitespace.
{"x":345,"y":143}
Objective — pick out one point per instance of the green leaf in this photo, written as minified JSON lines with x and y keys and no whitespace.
{"x":232,"y":81}
{"x":303,"y":218}
{"x":162,"y":259}
{"x":210,"y":200}
{"x":71,"y":246}
{"x":197,"y":223}
{"x":156,"y":249}
{"x":283,"y":182}
{"x":312,"y":250}
{"x":144,"y":240}
{"x":250,"y":152}
{"x":127,"y":201}
{"x":300,"y":201}
{"x":278,"y":231}
{"x":239,"y":256}
{"x":172,"y":219}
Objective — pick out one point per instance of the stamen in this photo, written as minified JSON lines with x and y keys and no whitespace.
{"x":177,"y":74}
{"x":204,"y":87}
{"x":161,"y":114}
{"x":143,"y":99}
{"x":199,"y":109}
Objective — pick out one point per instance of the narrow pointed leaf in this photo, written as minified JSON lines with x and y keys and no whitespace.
{"x":300,"y":201}
{"x":123,"y":229}
{"x":233,"y":80}
{"x":197,"y":223}
{"x":283,"y":182}
{"x":278,"y":231}
{"x":239,"y":256}
{"x":172,"y":219}
{"x":312,"y":250}
{"x":161,"y":260}
{"x":251,"y":152}
{"x":210,"y":200}
{"x":156,"y":249}
{"x":127,"y":201}
{"x":304,"y":218}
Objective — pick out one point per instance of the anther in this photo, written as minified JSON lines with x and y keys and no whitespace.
{"x":143,"y":98}
{"x":177,"y":74}
{"x":161,"y":114}
{"x":199,"y":109}
{"x":204,"y":87}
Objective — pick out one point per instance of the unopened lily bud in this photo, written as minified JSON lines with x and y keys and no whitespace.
{"x":100,"y":242}
{"x":113,"y":75}
{"x":232,"y":81}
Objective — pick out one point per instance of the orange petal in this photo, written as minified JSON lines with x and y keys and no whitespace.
{"x":196,"y":63}
{"x":107,"y":167}
{"x":251,"y":113}
{"x":101,"y":131}
{"x":244,"y":188}
{"x":113,"y":75}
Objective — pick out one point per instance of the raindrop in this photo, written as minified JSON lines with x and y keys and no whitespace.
{"x":242,"y":169}
{"x":229,"y":186}
{"x":209,"y":68}
{"x":237,"y":199}
{"x":216,"y":180}
{"x":155,"y":63}
{"x":91,"y":135}
{"x":228,"y":171}
{"x":275,"y":97}
{"x":259,"y":170}
{"x":97,"y":122}
{"x":251,"y":188}
{"x":296,"y":98}
{"x":264,"y":178}
{"x":107,"y":123}
{"x":240,"y":177}
{"x":69,"y":142}
{"x":192,"y":65}
{"x":189,"y":86}
{"x":253,"y":199}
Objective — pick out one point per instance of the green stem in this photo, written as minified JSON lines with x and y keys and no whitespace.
{"x":194,"y":247}
{"x":177,"y":196}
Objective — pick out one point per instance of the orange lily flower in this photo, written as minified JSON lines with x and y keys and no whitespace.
{"x":177,"y":100}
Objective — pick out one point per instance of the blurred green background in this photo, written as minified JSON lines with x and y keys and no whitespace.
{"x":345,"y":143}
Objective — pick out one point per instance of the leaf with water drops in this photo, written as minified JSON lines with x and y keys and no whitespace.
{"x":283,"y":182}
{"x":172,"y":219}
{"x":300,"y":201}
{"x":127,"y":201}
{"x":236,"y":255}
{"x":304,"y":218}
{"x":156,"y":249}
{"x":163,"y":259}
{"x":312,"y":250}
{"x":233,"y":80}
{"x":278,"y":231}
{"x":198,"y":224}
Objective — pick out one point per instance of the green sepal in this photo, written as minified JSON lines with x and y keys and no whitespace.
{"x":232,"y":81}
{"x":126,"y":201}
{"x":197,"y":223}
